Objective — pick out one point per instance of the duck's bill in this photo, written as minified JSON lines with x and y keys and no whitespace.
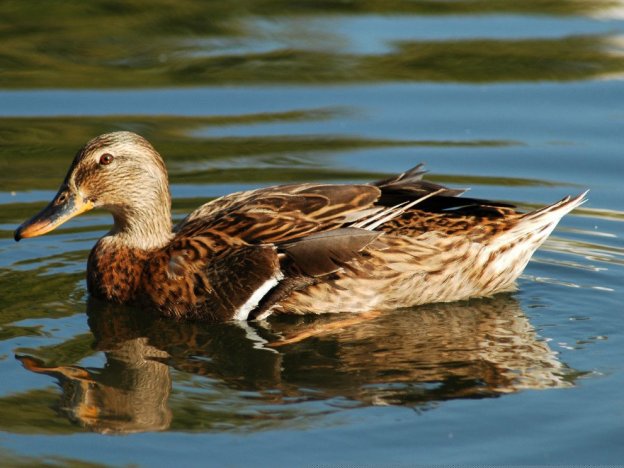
{"x":63,"y":207}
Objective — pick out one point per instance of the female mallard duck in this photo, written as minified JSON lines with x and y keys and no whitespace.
{"x":305,"y":248}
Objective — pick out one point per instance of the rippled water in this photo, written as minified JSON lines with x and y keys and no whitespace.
{"x":521,"y":101}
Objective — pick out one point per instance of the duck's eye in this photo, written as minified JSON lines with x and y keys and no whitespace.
{"x":106,"y":159}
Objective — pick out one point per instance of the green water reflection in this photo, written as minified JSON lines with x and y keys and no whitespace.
{"x":35,"y":293}
{"x":103,"y":44}
{"x":36,"y":152}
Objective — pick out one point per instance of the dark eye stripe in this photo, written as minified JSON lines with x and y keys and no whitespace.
{"x":106,"y":158}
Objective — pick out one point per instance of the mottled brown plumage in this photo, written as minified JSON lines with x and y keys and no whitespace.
{"x":306,"y":248}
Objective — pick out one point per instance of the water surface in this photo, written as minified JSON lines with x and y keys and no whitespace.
{"x":520,"y":101}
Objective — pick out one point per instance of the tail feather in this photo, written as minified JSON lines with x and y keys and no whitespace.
{"x":509,"y":254}
{"x":559,"y":209}
{"x":539,"y":224}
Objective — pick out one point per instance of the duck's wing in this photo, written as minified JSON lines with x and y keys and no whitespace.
{"x":301,"y":263}
{"x":280,"y":214}
{"x":237,"y":256}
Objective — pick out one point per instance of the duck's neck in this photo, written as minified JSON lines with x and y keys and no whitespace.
{"x":146,"y":228}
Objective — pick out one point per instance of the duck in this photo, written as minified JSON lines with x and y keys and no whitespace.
{"x":307,"y":248}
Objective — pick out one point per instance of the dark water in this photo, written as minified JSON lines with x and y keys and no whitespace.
{"x":522,"y":101}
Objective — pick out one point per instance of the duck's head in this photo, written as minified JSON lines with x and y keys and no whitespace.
{"x":121,"y":172}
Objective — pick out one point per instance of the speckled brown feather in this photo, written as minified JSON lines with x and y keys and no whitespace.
{"x":202,"y":284}
{"x":114,"y":272}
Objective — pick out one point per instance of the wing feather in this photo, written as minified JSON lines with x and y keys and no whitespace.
{"x":279,"y":214}
{"x":326,"y":252}
{"x":288,"y":212}
{"x":409,"y":185}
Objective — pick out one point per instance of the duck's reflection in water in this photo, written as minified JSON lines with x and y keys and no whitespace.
{"x":417,"y":357}
{"x":130,"y":394}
